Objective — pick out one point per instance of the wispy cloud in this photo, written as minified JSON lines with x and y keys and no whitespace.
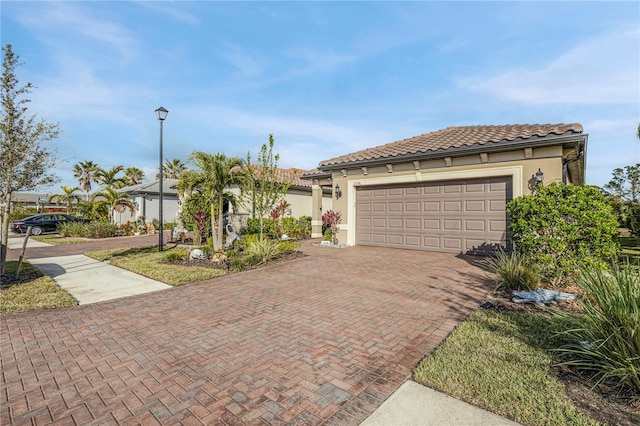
{"x":62,"y":19}
{"x":601,"y":70}
{"x":176,"y":11}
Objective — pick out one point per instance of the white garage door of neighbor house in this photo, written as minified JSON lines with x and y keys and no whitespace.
{"x":467,"y":216}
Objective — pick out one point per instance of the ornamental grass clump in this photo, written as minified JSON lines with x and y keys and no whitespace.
{"x":513,"y":270}
{"x":605,"y":339}
{"x":264,"y":249}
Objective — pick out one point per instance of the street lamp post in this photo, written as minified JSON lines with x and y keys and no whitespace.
{"x":162,"y":114}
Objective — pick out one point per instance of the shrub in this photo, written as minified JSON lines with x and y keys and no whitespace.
{"x":514,"y":271}
{"x":564,"y":228}
{"x":176,"y":255}
{"x":73,"y":229}
{"x":264,"y":250}
{"x":328,"y":235}
{"x":288,"y":246}
{"x":605,"y":340}
{"x":240,"y":263}
{"x":88,"y":230}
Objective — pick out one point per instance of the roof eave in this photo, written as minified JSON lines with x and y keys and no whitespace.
{"x":534,"y":142}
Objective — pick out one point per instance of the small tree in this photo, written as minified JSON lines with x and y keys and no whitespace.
{"x":277,"y":214}
{"x":261,"y":187}
{"x":214,"y":176}
{"x":25,"y":161}
{"x":114,"y":200}
{"x":564,"y":228}
{"x":68,"y":197}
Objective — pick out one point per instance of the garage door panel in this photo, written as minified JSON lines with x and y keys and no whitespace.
{"x":452,"y":206}
{"x":474,"y":225}
{"x":431,"y":206}
{"x":395,"y":223}
{"x":452,"y":224}
{"x":431,"y":224}
{"x":451,"y":216}
{"x":474,"y":206}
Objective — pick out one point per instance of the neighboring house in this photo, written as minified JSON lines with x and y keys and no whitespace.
{"x":146,"y":196}
{"x":447,"y":190}
{"x":40,"y":202}
{"x":298,"y":196}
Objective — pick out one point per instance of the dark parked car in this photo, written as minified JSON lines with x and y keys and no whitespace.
{"x":47,"y":222}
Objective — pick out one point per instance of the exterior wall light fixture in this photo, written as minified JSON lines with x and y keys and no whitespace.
{"x":338,"y":192}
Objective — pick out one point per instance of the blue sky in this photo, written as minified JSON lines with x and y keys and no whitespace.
{"x":326,"y":78}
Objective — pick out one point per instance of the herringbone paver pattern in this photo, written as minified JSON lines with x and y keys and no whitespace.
{"x":320,"y":340}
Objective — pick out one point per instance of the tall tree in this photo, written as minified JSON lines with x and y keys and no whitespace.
{"x":86,"y":172}
{"x":67,"y":197}
{"x":25,"y":162}
{"x":261,"y":186}
{"x":133,"y":175}
{"x":109,"y":178}
{"x":173,"y":169}
{"x":625,"y":184}
{"x":215,"y":174}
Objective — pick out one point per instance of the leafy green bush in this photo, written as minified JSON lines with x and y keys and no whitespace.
{"x":176,"y":255}
{"x":240,"y":263}
{"x":73,"y":229}
{"x":88,"y":230}
{"x":605,"y":340}
{"x":288,"y":246}
{"x":264,"y":250}
{"x":514,"y":271}
{"x":294,"y":228}
{"x":564,"y":228}
{"x":328,"y":235}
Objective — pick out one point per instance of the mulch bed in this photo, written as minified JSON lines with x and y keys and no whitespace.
{"x":206,"y":263}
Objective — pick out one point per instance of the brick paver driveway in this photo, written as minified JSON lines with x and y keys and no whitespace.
{"x":320,"y":340}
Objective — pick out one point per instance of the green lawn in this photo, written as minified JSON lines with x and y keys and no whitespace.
{"x":57,"y":239}
{"x":149,"y":262}
{"x":36,"y":291}
{"x":500,"y":361}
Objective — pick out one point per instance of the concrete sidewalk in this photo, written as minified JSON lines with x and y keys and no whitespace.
{"x":17,"y":242}
{"x":90,"y":281}
{"x":414,"y":404}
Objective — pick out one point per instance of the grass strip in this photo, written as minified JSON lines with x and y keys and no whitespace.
{"x":501,"y":361}
{"x":34,"y":291}
{"x":56,"y":239}
{"x":149,"y":262}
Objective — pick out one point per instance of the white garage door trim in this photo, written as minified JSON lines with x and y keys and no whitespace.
{"x":516,"y":173}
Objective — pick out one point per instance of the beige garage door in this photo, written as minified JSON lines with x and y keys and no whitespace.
{"x":454,"y":216}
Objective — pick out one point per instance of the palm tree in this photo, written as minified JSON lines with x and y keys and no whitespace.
{"x":114,"y":200}
{"x":109,"y":178}
{"x":214,"y":176}
{"x":68,"y":197}
{"x":133,"y":175}
{"x":86,"y":172}
{"x":173,"y":169}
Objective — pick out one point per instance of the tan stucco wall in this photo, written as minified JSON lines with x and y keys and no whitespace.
{"x":521,"y":165}
{"x":300,"y":202}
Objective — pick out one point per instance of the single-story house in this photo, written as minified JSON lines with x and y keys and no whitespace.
{"x":146,"y":196}
{"x":447,"y":190}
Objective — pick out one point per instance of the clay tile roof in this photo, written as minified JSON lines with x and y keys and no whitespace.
{"x":293,"y":175}
{"x":454,"y":137}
